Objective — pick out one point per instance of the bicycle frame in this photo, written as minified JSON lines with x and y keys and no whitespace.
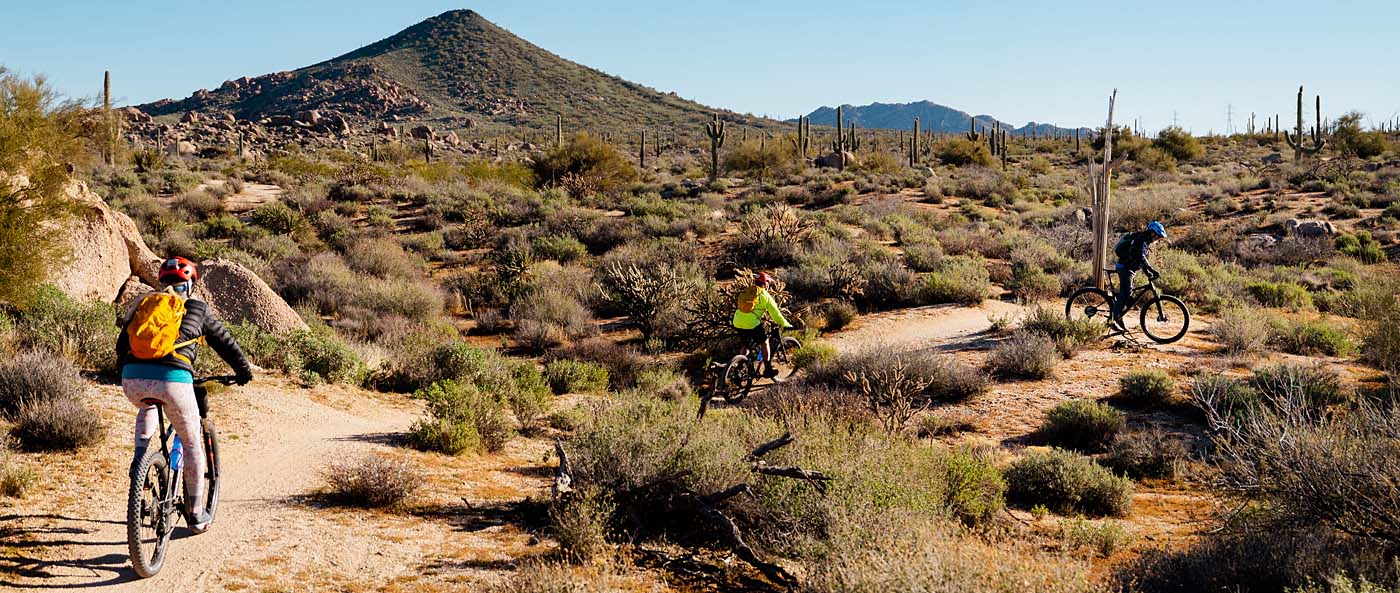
{"x":1138,"y":294}
{"x":172,"y":477}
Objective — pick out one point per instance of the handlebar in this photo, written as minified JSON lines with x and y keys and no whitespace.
{"x":222,"y":379}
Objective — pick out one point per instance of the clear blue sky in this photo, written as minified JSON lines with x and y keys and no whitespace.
{"x":1052,"y":61}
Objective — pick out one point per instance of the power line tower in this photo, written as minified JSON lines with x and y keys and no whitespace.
{"x":1229,"y":120}
{"x":1175,"y":121}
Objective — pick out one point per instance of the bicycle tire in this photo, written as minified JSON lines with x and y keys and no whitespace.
{"x":211,"y":454}
{"x":738,"y":379}
{"x":1165,"y":302}
{"x":786,"y":347}
{"x":1089,"y":303}
{"x":139,"y":511}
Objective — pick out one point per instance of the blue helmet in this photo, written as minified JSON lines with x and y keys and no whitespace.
{"x":1156,"y":227}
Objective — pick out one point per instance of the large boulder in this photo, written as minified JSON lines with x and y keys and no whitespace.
{"x":238,"y":295}
{"x":132,"y":290}
{"x":1309,"y":227}
{"x":106,"y":250}
{"x":834,"y":160}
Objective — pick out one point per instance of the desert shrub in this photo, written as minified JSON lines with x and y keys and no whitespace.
{"x":1242,"y":331}
{"x":1230,"y":396}
{"x":383,"y":258}
{"x":1067,"y":482}
{"x":580,"y":523}
{"x":15,"y":480}
{"x":529,"y":395}
{"x":944,"y":378}
{"x":584,"y":164}
{"x":57,"y":423}
{"x":925,"y":256}
{"x":53,"y":322}
{"x":1348,"y":136}
{"x":663,"y":383}
{"x":33,"y":376}
{"x":1024,"y":355}
{"x":573,"y":376}
{"x":761,"y":158}
{"x":1315,"y":385}
{"x":960,"y":279}
{"x":1361,"y":246}
{"x":558,"y":576}
{"x":888,"y":284}
{"x":647,"y":298}
{"x":1377,"y":304}
{"x":1145,"y":454}
{"x":371,"y":481}
{"x":1179,"y":143}
{"x":1312,"y":338}
{"x":461,"y":418}
{"x":1155,"y":159}
{"x":814,"y":354}
{"x":623,"y":363}
{"x":1280,"y":294}
{"x":313,"y":355}
{"x":1069,"y":336}
{"x":560,"y":248}
{"x":548,"y":317}
{"x":1082,"y":425}
{"x":838,"y":314}
{"x":960,"y":152}
{"x":1102,"y":538}
{"x":278,"y":218}
{"x":932,"y":425}
{"x":1147,"y":387}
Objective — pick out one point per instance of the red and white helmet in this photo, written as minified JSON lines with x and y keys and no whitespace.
{"x":762,"y":279}
{"x":176,"y":270}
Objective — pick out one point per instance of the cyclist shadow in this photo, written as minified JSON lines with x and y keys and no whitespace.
{"x":25,"y":564}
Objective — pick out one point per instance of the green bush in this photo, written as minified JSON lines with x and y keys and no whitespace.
{"x":664,"y":383}
{"x":580,"y":524}
{"x":1030,"y":284}
{"x":1155,"y":159}
{"x":960,"y":152}
{"x":1067,"y":482}
{"x":1361,"y":246}
{"x":1232,"y":397}
{"x":15,"y":480}
{"x":838,"y":315}
{"x":584,"y":164}
{"x":560,"y":248}
{"x":574,"y":376}
{"x":1069,"y":336}
{"x":1146,"y":454}
{"x":529,"y":396}
{"x":945,"y":377}
{"x":1280,"y":294}
{"x":313,"y":356}
{"x":960,"y":279}
{"x":1148,"y":387}
{"x":83,"y":333}
{"x":1024,"y":355}
{"x":1082,"y":424}
{"x":461,"y":418}
{"x":279,"y":218}
{"x":1316,"y":385}
{"x":813,"y":354}
{"x":1312,"y":338}
{"x":1242,"y":331}
{"x":1103,"y":538}
{"x":1179,"y":143}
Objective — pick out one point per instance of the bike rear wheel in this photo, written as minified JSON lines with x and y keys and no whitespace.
{"x":211,"y":477}
{"x":1089,"y":304}
{"x":150,"y":513}
{"x":1165,"y":319}
{"x":738,"y":379}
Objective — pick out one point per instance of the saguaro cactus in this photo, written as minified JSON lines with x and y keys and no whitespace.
{"x":1295,"y":139}
{"x":838,"y":145}
{"x":972,"y":133}
{"x":715,"y":131}
{"x":642,"y":150}
{"x":914,"y":146}
{"x":558,"y":130}
{"x":803,"y":136}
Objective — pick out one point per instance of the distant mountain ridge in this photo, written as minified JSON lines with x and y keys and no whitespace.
{"x":932,"y":117}
{"x":455,"y":66}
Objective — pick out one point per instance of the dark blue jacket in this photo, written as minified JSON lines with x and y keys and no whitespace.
{"x":1140,"y":244}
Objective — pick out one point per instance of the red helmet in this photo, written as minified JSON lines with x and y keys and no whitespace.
{"x":762,"y":279}
{"x":176,"y":270}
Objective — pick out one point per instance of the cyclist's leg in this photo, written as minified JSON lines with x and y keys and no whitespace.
{"x":184,"y":416}
{"x":1125,"y":292}
{"x":137,"y":390}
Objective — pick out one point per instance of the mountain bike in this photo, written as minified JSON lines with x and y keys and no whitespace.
{"x":736,"y":378}
{"x":157,"y":491}
{"x":1163,"y":318}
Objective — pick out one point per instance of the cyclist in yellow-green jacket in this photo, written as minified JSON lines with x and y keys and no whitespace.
{"x":754,"y":304}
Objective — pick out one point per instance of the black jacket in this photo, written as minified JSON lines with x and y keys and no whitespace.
{"x":1138,"y":248}
{"x":199,"y":321}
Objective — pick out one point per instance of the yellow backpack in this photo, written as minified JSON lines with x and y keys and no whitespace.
{"x":155,"y":327}
{"x":748,"y":299}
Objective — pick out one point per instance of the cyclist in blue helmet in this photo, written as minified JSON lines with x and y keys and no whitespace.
{"x":1132,"y":251}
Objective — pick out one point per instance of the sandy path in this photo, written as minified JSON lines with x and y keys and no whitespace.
{"x":274,"y":442}
{"x":252,"y":196}
{"x":922,"y":327}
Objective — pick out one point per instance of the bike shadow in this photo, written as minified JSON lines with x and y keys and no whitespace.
{"x":36,"y":546}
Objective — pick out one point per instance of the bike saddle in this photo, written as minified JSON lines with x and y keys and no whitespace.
{"x":151,"y":402}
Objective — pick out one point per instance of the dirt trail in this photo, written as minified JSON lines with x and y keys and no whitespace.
{"x":275,"y":442}
{"x":942,"y":326}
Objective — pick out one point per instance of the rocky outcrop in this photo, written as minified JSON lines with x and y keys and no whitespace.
{"x":237,"y":295}
{"x":1309,"y":228}
{"x":834,"y":160}
{"x":106,"y":250}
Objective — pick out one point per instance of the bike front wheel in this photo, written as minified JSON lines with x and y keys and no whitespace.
{"x":1089,"y":304}
{"x":1165,"y":319}
{"x":738,"y":379}
{"x":150,"y":513}
{"x":783,"y":355}
{"x":211,"y":476}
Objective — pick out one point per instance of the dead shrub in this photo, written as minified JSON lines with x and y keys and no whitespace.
{"x":371,"y":481}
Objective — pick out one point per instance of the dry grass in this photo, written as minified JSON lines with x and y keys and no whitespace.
{"x":371,"y":480}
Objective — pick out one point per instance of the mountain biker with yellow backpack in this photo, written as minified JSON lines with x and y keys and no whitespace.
{"x":156,"y":350}
{"x":754,"y":303}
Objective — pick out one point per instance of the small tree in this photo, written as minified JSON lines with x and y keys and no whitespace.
{"x":40,"y":138}
{"x":584,"y":164}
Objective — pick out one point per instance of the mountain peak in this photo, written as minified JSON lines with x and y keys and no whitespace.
{"x":932,"y":117}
